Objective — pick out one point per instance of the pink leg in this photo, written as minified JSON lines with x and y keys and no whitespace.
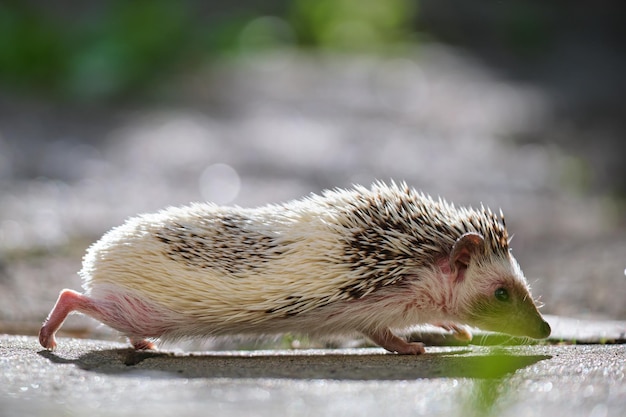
{"x":67,"y":302}
{"x":133,"y":320}
{"x":393,"y":343}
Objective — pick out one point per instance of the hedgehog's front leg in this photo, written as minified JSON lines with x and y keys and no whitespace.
{"x":459,"y":332}
{"x":386,"y":339}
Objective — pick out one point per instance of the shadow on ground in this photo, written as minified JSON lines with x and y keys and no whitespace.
{"x":456,"y":364}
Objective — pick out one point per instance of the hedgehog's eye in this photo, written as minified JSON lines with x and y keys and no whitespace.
{"x":501,"y":294}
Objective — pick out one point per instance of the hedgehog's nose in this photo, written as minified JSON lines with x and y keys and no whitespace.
{"x":544,"y":330}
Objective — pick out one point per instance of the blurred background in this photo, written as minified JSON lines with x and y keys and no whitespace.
{"x":109,"y":109}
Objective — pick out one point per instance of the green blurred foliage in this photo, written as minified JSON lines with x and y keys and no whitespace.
{"x":130,"y":45}
{"x":361,"y":25}
{"x":491,"y":386}
{"x":32,"y":48}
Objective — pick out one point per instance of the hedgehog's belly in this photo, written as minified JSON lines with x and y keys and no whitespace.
{"x":130,"y":313}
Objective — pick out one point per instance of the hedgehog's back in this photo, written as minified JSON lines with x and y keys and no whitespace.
{"x":220,"y":266}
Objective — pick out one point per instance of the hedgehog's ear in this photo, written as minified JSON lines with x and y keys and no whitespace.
{"x":464,"y":248}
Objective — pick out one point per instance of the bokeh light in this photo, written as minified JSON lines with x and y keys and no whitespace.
{"x":219,"y":183}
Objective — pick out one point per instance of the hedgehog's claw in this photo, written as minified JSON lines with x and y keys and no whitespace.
{"x":462,"y":334}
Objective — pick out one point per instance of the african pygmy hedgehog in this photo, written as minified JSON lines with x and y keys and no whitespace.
{"x":363,"y":260}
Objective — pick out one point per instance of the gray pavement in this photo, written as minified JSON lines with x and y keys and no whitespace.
{"x":101,"y":378}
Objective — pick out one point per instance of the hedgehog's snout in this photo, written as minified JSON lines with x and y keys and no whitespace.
{"x":536,"y":326}
{"x":540,"y":331}
{"x":544,"y":330}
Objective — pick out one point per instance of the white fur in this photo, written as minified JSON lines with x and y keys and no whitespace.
{"x":303,"y":268}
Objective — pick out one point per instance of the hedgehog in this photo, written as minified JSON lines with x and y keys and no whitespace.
{"x":374,"y":261}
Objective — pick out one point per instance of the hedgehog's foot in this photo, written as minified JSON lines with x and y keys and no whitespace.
{"x":142,"y":344}
{"x":459,"y":332}
{"x":386,"y":339}
{"x":67,"y":302}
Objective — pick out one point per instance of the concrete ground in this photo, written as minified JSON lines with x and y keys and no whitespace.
{"x":101,"y":378}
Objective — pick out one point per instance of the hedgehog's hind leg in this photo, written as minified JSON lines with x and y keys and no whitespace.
{"x":386,"y":339}
{"x":141,"y":344}
{"x":130,"y":315}
{"x":68,"y":302}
